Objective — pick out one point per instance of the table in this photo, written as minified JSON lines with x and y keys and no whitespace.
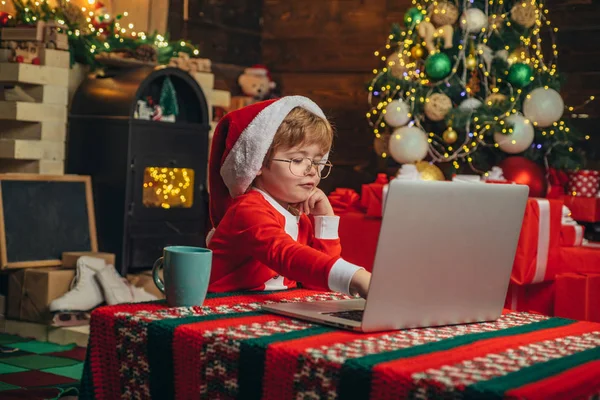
{"x":229,"y":349}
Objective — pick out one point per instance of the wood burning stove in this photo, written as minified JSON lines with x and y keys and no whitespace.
{"x":148,"y":177}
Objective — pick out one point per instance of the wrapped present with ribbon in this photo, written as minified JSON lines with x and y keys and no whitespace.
{"x":343,"y":200}
{"x":372,"y":196}
{"x":584,"y":183}
{"x":558,"y":181}
{"x":578,"y":296}
{"x":539,"y":241}
{"x":537,"y":297}
{"x":583,"y":209}
{"x":571,"y":233}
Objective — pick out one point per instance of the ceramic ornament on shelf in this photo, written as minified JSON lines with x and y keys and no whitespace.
{"x":521,"y":137}
{"x":543,"y":107}
{"x":408,"y":144}
{"x":437,"y":106}
{"x":397,"y":113}
{"x":473,"y":20}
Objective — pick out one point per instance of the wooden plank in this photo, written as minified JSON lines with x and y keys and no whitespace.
{"x":34,"y":112}
{"x":340,"y":91}
{"x":33,"y":74}
{"x":47,"y":167}
{"x":327,"y":54}
{"x":220,"y":98}
{"x":55,"y":58}
{"x":222,"y":46}
{"x":206,"y":80}
{"x":48,"y":94}
{"x":32,"y":150}
{"x":20,"y":149}
{"x":316,"y":18}
{"x":51,"y":131}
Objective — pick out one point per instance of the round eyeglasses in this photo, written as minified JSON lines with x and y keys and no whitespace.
{"x":302,"y":166}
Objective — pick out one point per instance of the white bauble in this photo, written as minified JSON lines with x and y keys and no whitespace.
{"x":408,"y":144}
{"x":473,"y":20}
{"x":543,"y":106}
{"x":470,"y":104}
{"x":502,"y":54}
{"x":520,"y":139}
{"x":397,"y":113}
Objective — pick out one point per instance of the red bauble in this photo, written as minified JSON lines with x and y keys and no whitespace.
{"x":4,"y":17}
{"x":525,"y":172}
{"x":36,"y":61}
{"x":19,"y":59}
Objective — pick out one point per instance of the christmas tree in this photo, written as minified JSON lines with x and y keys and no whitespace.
{"x":468,"y":84}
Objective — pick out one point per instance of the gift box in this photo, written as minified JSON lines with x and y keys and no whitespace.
{"x":30,"y":292}
{"x":537,"y":298}
{"x":578,"y":296}
{"x":537,"y":250}
{"x":344,"y":200}
{"x":584,"y":209}
{"x":571,"y":235}
{"x":582,"y":260}
{"x":584,"y":183}
{"x":372,"y":194}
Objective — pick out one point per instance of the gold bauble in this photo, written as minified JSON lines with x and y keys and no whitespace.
{"x":429,"y":172}
{"x":495,"y":98}
{"x":520,"y":54}
{"x":397,"y":63}
{"x":524,"y":13}
{"x":417,"y":52}
{"x":471,"y":62}
{"x":437,"y":106}
{"x":450,"y":136}
{"x":443,"y":13}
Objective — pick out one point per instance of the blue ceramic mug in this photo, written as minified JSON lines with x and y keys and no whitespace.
{"x":186,"y":275}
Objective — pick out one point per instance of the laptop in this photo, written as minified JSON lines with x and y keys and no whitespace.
{"x":444,"y":256}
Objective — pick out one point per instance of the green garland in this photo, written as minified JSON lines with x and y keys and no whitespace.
{"x":86,"y":43}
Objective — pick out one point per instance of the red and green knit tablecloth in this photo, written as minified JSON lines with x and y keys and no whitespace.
{"x":229,"y":349}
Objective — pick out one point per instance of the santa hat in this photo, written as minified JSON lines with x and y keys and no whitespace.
{"x":239,"y":145}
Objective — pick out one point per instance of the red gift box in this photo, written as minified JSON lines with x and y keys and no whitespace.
{"x":584,"y":183}
{"x":537,"y":252}
{"x":538,"y":298}
{"x":372,"y":196}
{"x":578,"y":296}
{"x":583,"y":209}
{"x":571,"y":235}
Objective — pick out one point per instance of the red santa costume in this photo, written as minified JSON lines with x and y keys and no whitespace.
{"x":257,"y":244}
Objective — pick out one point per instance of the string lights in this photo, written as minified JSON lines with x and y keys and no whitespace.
{"x":168,"y":187}
{"x":497,"y":79}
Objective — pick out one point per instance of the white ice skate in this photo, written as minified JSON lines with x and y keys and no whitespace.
{"x":73,"y":307}
{"x":118,"y":290}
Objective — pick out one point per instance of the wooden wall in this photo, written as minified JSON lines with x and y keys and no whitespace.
{"x":324,"y":49}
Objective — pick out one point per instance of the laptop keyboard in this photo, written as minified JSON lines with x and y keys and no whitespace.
{"x":353,"y":315}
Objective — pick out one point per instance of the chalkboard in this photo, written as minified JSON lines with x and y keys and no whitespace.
{"x":42,"y":216}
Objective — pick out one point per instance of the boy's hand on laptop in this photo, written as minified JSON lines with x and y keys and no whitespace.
{"x":360,"y":283}
{"x":317,"y":204}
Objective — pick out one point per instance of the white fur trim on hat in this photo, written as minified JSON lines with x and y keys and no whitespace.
{"x":246,"y":157}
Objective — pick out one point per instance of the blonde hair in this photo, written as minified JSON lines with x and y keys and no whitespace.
{"x":301,"y":126}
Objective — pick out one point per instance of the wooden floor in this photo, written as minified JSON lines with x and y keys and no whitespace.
{"x":45,"y":333}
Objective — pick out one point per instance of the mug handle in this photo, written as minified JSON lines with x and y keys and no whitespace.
{"x":158,"y":264}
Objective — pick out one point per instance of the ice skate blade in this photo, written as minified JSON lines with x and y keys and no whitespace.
{"x":71,"y":318}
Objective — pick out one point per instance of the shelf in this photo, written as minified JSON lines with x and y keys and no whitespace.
{"x":34,"y":74}
{"x":34,"y":112}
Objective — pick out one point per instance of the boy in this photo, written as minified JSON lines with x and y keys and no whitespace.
{"x":266,"y":161}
